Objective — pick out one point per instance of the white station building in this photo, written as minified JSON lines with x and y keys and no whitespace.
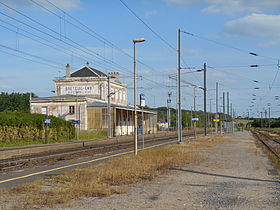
{"x":82,"y":96}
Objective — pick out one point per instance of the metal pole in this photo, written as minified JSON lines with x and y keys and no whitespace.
{"x":179,"y":92}
{"x":143,"y":126}
{"x":247,"y":126}
{"x":231,"y":110}
{"x":194,"y":109}
{"x":228,"y":103}
{"x":135,"y":113}
{"x":231,"y":117}
{"x":217,"y":107}
{"x":269,"y":117}
{"x":210,"y":119}
{"x":109,"y":108}
{"x":224,"y":103}
{"x":169,"y":116}
{"x":205,"y":101}
{"x":261,"y":119}
{"x":191,"y":117}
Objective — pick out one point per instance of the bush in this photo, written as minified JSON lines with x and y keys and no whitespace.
{"x":16,"y":126}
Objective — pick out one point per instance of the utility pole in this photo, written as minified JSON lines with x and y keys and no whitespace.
{"x":248,"y":120}
{"x":261,"y":119}
{"x":231,"y":114}
{"x":265,"y":118}
{"x":228,"y":103}
{"x":109,"y":107}
{"x":191,"y":117}
{"x":168,"y":110}
{"x":194,"y":109}
{"x":179,"y":118}
{"x":269,"y":117}
{"x":205,"y":101}
{"x":210,"y":118}
{"x":217,"y":107}
{"x":231,"y":109}
{"x":224,"y":103}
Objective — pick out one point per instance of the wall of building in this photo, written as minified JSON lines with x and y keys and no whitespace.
{"x":62,"y":110}
{"x":96,"y":88}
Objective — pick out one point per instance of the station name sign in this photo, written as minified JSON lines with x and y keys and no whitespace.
{"x":83,"y":89}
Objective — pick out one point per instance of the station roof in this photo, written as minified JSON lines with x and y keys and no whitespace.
{"x":87,"y":71}
{"x":129,"y":107}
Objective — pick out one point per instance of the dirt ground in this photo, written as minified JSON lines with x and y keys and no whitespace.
{"x":234,"y":175}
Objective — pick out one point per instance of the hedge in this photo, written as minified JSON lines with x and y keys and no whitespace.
{"x":16,"y":126}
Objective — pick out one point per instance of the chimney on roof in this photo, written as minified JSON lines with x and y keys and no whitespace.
{"x":67,"y":68}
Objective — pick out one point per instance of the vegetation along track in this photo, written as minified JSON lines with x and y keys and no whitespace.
{"x":55,"y":156}
{"x":272,"y":142}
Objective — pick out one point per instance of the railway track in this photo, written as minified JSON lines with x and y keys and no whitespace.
{"x":271,"y":142}
{"x":67,"y":154}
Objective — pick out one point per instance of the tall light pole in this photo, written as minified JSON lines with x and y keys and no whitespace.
{"x":135,"y":112}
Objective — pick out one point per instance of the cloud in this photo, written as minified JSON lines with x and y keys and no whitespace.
{"x":5,"y":87}
{"x":257,"y":26}
{"x":62,"y":4}
{"x":232,"y":6}
{"x":150,"y":14}
{"x":254,"y":25}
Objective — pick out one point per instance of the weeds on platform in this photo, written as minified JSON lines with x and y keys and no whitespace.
{"x":103,"y":179}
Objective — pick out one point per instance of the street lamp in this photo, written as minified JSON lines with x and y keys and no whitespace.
{"x":135,"y":113}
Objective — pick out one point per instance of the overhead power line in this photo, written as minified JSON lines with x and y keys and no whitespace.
{"x":31,"y":60}
{"x":158,"y":36}
{"x":95,"y":34}
{"x":150,"y":28}
{"x":83,"y":48}
{"x":229,"y":46}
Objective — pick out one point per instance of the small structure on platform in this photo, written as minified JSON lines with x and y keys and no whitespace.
{"x":82,"y":96}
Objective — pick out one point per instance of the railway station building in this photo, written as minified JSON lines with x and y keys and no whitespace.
{"x":82,"y":96}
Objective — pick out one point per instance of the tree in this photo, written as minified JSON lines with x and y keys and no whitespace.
{"x":15,"y":101}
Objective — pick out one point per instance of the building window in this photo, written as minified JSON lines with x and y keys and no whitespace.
{"x":71,"y":109}
{"x":44,"y":110}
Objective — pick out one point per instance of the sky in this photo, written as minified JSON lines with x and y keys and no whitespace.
{"x":39,"y":37}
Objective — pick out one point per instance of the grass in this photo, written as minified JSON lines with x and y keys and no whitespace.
{"x":104,"y":179}
{"x":275,"y":160}
{"x":86,"y":135}
{"x":269,"y":129}
{"x":83,"y":135}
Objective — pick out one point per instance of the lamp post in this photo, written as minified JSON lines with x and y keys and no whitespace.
{"x":135,"y":112}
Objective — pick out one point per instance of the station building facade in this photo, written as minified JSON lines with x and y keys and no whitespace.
{"x":82,"y":96}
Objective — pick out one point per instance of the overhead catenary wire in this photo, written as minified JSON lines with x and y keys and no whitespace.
{"x":52,"y":36}
{"x":83,"y":48}
{"x":31,"y":60}
{"x":53,"y":45}
{"x":88,"y":29}
{"x":157,"y":35}
{"x":229,"y":46}
{"x":233,"y":73}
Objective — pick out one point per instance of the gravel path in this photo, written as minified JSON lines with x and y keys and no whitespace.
{"x":235,"y":175}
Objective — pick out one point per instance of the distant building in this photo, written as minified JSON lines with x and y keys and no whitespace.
{"x":83,"y":96}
